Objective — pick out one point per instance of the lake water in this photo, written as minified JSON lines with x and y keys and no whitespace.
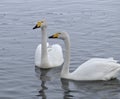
{"x":94,"y":28}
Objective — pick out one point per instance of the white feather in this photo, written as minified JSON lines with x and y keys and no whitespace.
{"x":55,"y":55}
{"x":93,"y":69}
{"x":47,"y":56}
{"x":97,"y":69}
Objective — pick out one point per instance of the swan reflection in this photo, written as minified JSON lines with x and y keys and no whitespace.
{"x":42,"y":75}
{"x":65,"y":87}
{"x":88,"y":89}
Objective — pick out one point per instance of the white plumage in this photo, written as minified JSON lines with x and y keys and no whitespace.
{"x":97,"y":69}
{"x":55,"y":56}
{"x":93,"y":69}
{"x":47,"y":56}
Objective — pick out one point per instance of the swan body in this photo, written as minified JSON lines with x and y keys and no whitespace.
{"x":93,"y":69}
{"x":55,"y":58}
{"x":47,"y":56}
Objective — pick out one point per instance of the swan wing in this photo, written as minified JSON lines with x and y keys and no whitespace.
{"x":38,"y":55}
{"x":55,"y":55}
{"x":97,"y":69}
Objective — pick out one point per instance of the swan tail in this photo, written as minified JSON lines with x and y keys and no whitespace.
{"x":113,"y":74}
{"x":112,"y":59}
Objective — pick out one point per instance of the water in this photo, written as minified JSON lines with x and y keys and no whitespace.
{"x":94,"y":28}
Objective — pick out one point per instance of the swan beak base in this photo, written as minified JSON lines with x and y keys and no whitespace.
{"x":35,"y":27}
{"x":54,"y":36}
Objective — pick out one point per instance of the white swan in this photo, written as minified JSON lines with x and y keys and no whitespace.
{"x":93,"y":69}
{"x":47,"y":56}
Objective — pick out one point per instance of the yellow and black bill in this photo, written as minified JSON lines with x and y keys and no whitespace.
{"x":35,"y":27}
{"x":38,"y":25}
{"x":54,"y":35}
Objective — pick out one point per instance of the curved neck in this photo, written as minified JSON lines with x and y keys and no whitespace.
{"x":44,"y":54}
{"x":65,"y":69}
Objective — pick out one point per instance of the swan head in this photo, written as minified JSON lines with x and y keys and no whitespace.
{"x":59,"y":35}
{"x":40,"y":24}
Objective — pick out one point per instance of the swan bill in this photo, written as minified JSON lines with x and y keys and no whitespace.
{"x":38,"y":25}
{"x":54,"y":36}
{"x":51,"y":36}
{"x":35,"y":27}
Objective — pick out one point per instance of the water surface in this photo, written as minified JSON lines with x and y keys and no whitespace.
{"x":94,"y":28}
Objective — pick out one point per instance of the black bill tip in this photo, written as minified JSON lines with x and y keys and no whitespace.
{"x":50,"y":36}
{"x":35,"y":27}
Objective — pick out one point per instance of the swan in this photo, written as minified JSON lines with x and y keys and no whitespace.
{"x":47,"y":56}
{"x":93,"y":69}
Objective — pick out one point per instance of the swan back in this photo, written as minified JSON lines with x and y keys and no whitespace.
{"x":97,"y":69}
{"x":55,"y":55}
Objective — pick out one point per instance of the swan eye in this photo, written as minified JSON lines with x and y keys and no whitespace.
{"x":42,"y":21}
{"x":59,"y":33}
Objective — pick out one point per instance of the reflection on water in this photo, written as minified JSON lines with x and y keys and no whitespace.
{"x":67,"y":91}
{"x":94,"y":28}
{"x":42,"y":75}
{"x":89,"y":89}
{"x":76,"y":89}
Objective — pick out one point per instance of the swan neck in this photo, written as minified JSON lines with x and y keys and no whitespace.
{"x":65,"y":69}
{"x":44,"y":54}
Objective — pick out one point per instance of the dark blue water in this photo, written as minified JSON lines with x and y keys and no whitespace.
{"x":94,"y":28}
